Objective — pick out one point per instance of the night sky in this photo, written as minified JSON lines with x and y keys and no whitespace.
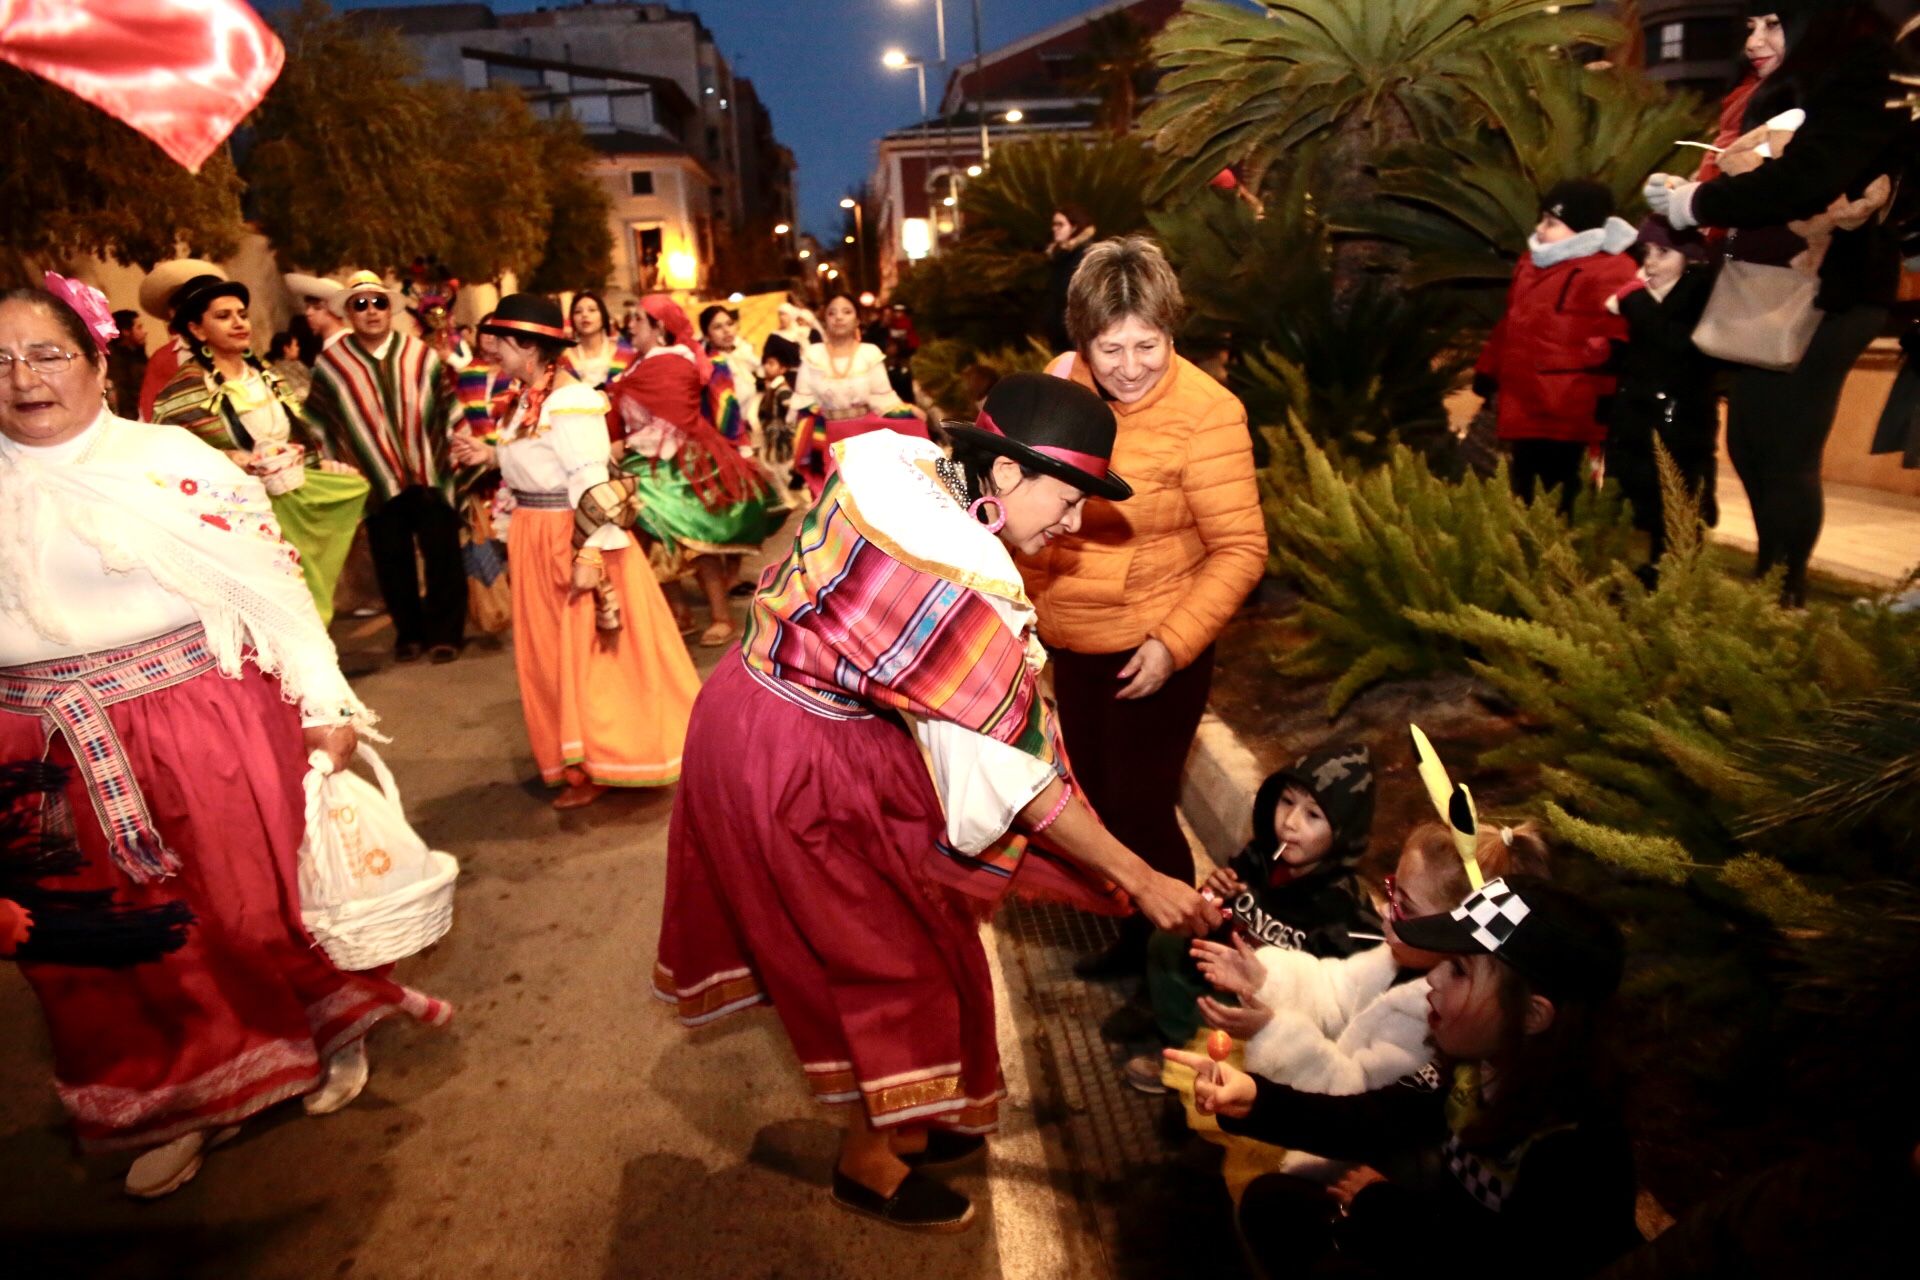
{"x":816,"y":64}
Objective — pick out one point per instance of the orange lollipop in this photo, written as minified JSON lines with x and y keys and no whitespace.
{"x":1219,"y":1045}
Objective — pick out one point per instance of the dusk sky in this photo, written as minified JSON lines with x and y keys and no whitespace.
{"x":816,"y":64}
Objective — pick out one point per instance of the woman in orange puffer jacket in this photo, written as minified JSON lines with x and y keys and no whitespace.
{"x":1544,"y":358}
{"x":1131,"y":604}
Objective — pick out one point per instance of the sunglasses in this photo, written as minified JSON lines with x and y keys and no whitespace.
{"x":1396,"y":905}
{"x":375,"y":300}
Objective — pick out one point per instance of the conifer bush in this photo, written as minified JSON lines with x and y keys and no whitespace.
{"x":1380,"y":554}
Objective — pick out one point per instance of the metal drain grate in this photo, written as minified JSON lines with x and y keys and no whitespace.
{"x":1151,"y":1194}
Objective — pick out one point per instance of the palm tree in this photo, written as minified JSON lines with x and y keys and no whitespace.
{"x":1246,"y":89}
{"x":1464,"y":204}
{"x":1117,"y":68}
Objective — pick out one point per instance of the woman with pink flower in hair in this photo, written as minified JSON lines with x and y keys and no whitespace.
{"x":158,"y":646}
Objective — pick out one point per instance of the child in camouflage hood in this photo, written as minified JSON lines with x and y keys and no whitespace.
{"x":1295,"y":885}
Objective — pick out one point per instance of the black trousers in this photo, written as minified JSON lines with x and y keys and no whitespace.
{"x":1554,"y":464}
{"x":1129,"y":755}
{"x":1777,"y":429}
{"x":420,"y":519}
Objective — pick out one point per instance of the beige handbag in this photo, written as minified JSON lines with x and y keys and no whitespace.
{"x":1760,"y":315}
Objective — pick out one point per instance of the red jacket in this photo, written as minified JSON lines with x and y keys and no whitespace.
{"x":1545,"y":353}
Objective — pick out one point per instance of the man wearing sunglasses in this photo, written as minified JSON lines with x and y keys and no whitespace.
{"x":386,"y":403}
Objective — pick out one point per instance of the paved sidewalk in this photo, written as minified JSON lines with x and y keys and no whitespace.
{"x":1871,"y":537}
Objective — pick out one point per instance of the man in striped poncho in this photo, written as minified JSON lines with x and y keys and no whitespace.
{"x":385,"y":402}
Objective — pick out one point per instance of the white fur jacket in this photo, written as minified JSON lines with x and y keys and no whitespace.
{"x":1340,"y":1025}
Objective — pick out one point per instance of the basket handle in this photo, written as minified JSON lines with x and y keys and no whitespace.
{"x":381,"y":774}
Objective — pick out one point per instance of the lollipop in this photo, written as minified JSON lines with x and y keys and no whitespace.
{"x":1219,"y":1045}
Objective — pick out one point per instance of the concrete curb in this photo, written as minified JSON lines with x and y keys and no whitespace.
{"x":1216,"y":793}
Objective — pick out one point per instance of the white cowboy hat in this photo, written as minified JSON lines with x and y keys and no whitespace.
{"x":302,"y":285}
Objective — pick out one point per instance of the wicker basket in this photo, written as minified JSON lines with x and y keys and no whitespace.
{"x":282,"y":468}
{"x":369,"y":932}
{"x":373,"y":891}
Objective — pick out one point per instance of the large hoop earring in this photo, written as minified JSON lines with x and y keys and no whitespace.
{"x":999,"y":520}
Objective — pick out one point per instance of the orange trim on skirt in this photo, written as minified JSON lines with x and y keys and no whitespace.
{"x":613,"y":704}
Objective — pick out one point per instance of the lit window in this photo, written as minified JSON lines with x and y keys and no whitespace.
{"x":1673,"y":41}
{"x":916,"y":238}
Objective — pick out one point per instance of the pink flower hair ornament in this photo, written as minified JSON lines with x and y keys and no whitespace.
{"x":89,"y":303}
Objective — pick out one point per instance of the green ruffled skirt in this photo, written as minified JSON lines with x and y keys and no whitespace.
{"x":672,"y":513}
{"x":318,"y":519}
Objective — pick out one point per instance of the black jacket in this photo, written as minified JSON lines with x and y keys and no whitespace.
{"x":1665,"y":383}
{"x":1849,"y":139}
{"x":1317,"y":913}
{"x":1061,"y":264}
{"x":1569,"y":1211}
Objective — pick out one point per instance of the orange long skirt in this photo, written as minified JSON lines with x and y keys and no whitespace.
{"x":615,"y":704}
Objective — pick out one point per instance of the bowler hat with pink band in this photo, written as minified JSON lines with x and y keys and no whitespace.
{"x":1049,"y":425}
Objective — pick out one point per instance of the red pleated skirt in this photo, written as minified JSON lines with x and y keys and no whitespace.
{"x":242,"y":1016}
{"x":795,"y":874}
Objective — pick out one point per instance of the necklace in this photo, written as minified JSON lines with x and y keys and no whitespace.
{"x":839,"y":368}
{"x":952,"y":479}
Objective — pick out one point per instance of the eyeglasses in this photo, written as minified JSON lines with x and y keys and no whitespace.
{"x":1396,"y":911}
{"x":46,"y":363}
{"x":378,"y":301}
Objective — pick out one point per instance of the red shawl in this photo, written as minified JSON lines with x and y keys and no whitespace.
{"x":668,"y":387}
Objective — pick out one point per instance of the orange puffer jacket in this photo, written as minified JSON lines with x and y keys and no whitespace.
{"x":1174,"y":561}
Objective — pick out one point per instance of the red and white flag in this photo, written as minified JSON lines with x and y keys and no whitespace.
{"x":183,"y":72}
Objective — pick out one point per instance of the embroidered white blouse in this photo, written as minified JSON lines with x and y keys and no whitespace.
{"x":983,"y":783}
{"x":838,"y":388}
{"x":131,"y":530}
{"x":567,"y":453}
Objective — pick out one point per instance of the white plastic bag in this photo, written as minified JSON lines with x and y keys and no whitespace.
{"x":371,"y":891}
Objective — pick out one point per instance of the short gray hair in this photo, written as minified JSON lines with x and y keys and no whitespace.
{"x":1119,"y":278}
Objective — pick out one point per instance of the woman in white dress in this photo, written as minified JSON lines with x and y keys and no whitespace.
{"x":842,"y":392}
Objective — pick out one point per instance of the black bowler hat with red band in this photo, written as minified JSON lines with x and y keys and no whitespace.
{"x":528,"y":315}
{"x":1049,"y":425}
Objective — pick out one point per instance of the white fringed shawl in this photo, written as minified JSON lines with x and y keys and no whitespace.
{"x":155,"y":498}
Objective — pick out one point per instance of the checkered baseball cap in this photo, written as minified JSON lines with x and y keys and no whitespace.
{"x":1559,"y":942}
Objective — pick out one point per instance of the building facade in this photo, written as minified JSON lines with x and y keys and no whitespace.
{"x":689,"y":156}
{"x":1034,"y":86}
{"x":1695,"y":44}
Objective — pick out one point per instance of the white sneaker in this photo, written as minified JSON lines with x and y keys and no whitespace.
{"x":347,"y":1073}
{"x":165,"y":1169}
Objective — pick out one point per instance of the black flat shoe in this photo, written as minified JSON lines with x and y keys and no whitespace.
{"x":944,"y":1148}
{"x":919,"y":1204}
{"x":1124,"y":959}
{"x":1131,"y":1023}
{"x":406,"y":652}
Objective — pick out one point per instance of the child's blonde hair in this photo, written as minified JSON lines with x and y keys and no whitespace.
{"x":1500,"y":851}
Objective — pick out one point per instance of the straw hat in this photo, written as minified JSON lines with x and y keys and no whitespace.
{"x":357,"y":283}
{"x":302,"y":285}
{"x":157,"y":290}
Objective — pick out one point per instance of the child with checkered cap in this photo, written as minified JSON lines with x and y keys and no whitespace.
{"x":1348,"y":1024}
{"x":1295,"y":885}
{"x":1518,"y":1167}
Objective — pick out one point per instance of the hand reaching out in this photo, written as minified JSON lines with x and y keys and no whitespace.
{"x":1242,"y":1021}
{"x":1353,"y":1182}
{"x":1224,"y":884}
{"x":1236,"y":969}
{"x":1218,"y":1089}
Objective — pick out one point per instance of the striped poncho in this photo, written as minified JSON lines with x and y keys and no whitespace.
{"x":859,"y":622}
{"x":389,"y":412}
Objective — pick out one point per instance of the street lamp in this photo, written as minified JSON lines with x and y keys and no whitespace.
{"x":781,"y":229}
{"x":896,"y":60}
{"x":1015,"y":116}
{"x":860,"y":231}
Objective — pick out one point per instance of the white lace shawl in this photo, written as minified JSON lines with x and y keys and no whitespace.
{"x":158,"y":499}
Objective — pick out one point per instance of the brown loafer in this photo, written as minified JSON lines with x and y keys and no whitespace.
{"x":579,"y":795}
{"x":917,"y":1204}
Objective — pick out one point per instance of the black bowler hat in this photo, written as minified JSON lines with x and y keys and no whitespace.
{"x":1559,"y":942}
{"x":1049,"y":425}
{"x":528,"y":315}
{"x":191,"y":300}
